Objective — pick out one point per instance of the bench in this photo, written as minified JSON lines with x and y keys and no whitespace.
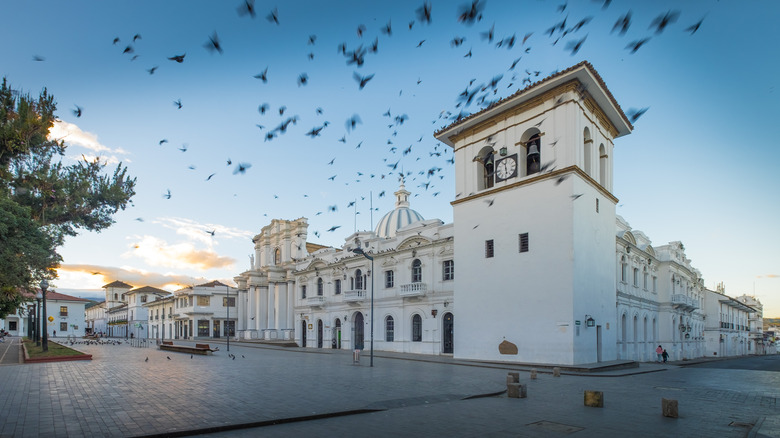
{"x":202,"y":349}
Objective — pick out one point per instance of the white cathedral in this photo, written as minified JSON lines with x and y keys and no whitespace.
{"x":536,"y":267}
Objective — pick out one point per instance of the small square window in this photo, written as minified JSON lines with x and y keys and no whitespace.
{"x":489,"y":248}
{"x":524,"y":242}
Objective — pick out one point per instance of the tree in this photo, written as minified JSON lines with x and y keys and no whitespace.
{"x":35,"y":185}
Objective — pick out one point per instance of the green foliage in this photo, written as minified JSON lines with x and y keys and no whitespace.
{"x":38,"y":191}
{"x":26,"y":254}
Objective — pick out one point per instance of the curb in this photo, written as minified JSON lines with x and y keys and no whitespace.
{"x":27,"y":358}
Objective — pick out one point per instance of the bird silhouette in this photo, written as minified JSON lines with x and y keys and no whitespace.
{"x":152,"y":70}
{"x":168,"y":357}
{"x":693,"y":28}
{"x":77,"y":111}
{"x":622,"y":24}
{"x":634,"y":114}
{"x":635,"y":45}
{"x":213,"y":44}
{"x":423,"y":14}
{"x":660,"y":22}
{"x":248,"y":8}
{"x":273,"y":16}
{"x":167,"y":195}
{"x":241,"y":168}
{"x":362,"y":80}
{"x":263,"y":76}
{"x":177,"y":103}
{"x":178,"y":58}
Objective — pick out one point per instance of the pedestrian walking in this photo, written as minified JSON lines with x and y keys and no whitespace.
{"x":659,"y":351}
{"x":665,"y":355}
{"x":55,"y":334}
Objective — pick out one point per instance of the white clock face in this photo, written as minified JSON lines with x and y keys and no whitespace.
{"x":506,"y":168}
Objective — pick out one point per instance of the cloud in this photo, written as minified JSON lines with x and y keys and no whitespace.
{"x":768,"y":276}
{"x":202,"y":232}
{"x":84,"y":277}
{"x":72,"y":135}
{"x":158,"y":252}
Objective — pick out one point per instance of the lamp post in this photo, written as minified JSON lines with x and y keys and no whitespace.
{"x":38,"y":297}
{"x":360,"y":251}
{"x":45,"y":340}
{"x":227,"y":323}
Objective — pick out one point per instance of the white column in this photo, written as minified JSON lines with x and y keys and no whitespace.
{"x":271,"y":322}
{"x":251,"y":306}
{"x":290,"y":304}
{"x":281,"y":307}
{"x":261,"y":320}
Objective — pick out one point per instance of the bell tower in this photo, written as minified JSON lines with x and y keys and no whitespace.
{"x":534,"y":223}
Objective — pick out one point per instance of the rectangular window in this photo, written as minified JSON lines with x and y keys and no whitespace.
{"x":389,"y":277}
{"x":489,"y":248}
{"x":655,"y":284}
{"x":645,"y":281}
{"x":338,"y":287}
{"x":597,"y":205}
{"x":636,"y":277}
{"x":448,"y":270}
{"x":228,"y":301}
{"x":203,"y":301}
{"x":303,"y":291}
{"x":524,"y":242}
{"x":203,"y":327}
{"x":143,"y":298}
{"x":63,"y":310}
{"x":63,"y":327}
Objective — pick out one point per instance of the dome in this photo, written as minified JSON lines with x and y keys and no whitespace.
{"x":398,"y":218}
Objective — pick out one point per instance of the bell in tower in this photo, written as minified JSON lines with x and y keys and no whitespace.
{"x":532,"y":159}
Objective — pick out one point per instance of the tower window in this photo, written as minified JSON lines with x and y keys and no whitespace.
{"x":524,"y":242}
{"x":489,"y":248}
{"x":485,"y":168}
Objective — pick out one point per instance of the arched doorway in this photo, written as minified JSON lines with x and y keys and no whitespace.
{"x":319,"y":333}
{"x":358,"y":331}
{"x":447,"y":332}
{"x":303,"y":333}
{"x":337,"y":335}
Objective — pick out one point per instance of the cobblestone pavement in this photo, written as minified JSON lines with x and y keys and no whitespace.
{"x":118,"y":393}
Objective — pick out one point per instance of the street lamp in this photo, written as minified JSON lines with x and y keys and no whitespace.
{"x":360,"y":251}
{"x":227,"y":323}
{"x":45,"y":341}
{"x":38,"y":297}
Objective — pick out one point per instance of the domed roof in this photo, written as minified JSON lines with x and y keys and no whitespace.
{"x":398,"y":218}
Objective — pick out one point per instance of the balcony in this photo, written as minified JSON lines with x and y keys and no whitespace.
{"x":316,"y":301}
{"x":354,"y":296}
{"x":413,"y":290}
{"x":684,"y":302}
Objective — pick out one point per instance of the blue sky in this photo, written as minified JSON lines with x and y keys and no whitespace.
{"x":699,"y":166}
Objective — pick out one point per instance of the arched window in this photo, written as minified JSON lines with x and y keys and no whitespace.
{"x":358,"y":279}
{"x":533,"y":154}
{"x":416,"y":328}
{"x":277,"y":256}
{"x":485,"y":167}
{"x":319,"y":287}
{"x":416,"y":271}
{"x":389,"y":329}
{"x":603,"y":168}
{"x":116,"y":297}
{"x":588,"y":152}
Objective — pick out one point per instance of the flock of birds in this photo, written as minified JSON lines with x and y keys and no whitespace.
{"x":570,"y":34}
{"x":136,"y":343}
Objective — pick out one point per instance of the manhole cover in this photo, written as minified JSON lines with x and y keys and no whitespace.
{"x":555,"y":427}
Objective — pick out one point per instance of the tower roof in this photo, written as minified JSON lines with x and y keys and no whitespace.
{"x":399,"y":217}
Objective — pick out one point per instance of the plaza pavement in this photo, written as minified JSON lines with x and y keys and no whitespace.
{"x":322,"y":393}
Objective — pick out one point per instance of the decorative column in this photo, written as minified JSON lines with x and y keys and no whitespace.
{"x":261,"y":321}
{"x":281,"y":306}
{"x":271,"y":323}
{"x":291,"y":305}
{"x":250,"y":311}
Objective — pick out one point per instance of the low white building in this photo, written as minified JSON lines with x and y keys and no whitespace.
{"x":755,"y":324}
{"x":205,"y":311}
{"x":160,"y":318}
{"x":65,"y":314}
{"x":727,"y":330}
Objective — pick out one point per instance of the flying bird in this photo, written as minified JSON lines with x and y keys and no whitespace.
{"x":471,"y":14}
{"x":362,"y":80}
{"x":333,"y":228}
{"x":262,"y":76}
{"x":213,"y":44}
{"x":248,"y":8}
{"x":660,"y":22}
{"x":622,"y":24}
{"x":167,"y":195}
{"x":136,"y":37}
{"x":575,"y":46}
{"x":77,"y":111}
{"x":635,"y":114}
{"x":693,"y":28}
{"x":178,"y":58}
{"x":273,"y":16}
{"x":635,"y":45}
{"x":152,"y":70}
{"x":241,"y":168}
{"x":177,"y":103}
{"x":423,"y":14}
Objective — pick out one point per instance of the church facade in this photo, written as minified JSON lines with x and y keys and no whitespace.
{"x":536,"y":267}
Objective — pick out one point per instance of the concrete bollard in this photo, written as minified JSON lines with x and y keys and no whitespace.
{"x":594,"y":399}
{"x":516,"y":390}
{"x":533,"y":373}
{"x":556,"y":371}
{"x":669,"y":407}
{"x":512,"y":378}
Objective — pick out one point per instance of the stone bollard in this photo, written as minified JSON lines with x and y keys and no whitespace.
{"x":556,"y":371}
{"x":516,"y":390}
{"x":512,"y":378}
{"x":669,"y":407}
{"x":533,"y":373}
{"x":594,"y":399}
